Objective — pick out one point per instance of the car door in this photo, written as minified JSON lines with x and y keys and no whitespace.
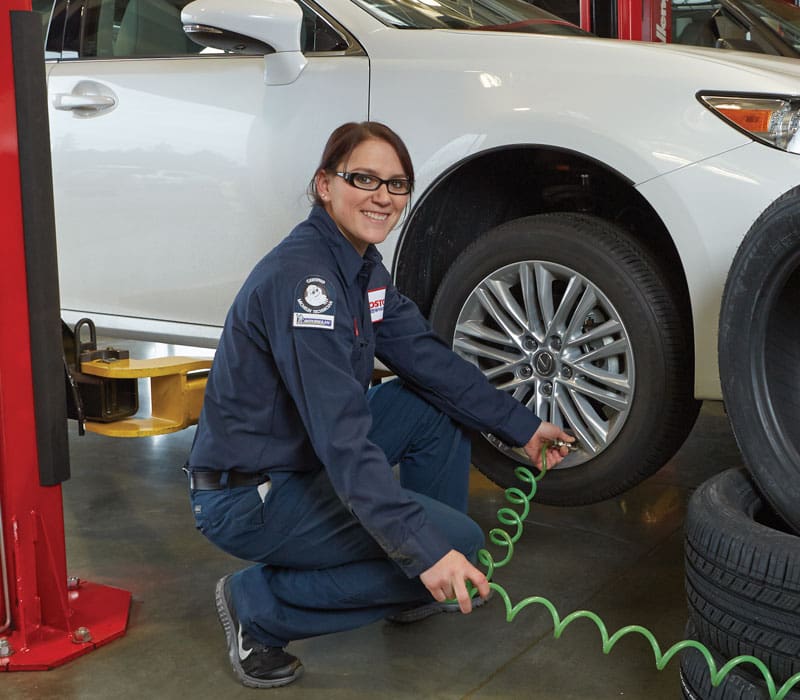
{"x":175,"y":168}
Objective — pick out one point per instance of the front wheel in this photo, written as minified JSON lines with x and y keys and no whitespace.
{"x":574,"y":319}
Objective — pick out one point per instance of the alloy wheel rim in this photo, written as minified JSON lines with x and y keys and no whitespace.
{"x":552,"y":339}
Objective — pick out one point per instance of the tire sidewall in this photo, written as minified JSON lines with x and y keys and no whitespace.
{"x":767,"y":257}
{"x":586,"y":245}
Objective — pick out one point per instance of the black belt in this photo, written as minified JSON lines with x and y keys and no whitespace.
{"x":211,"y":481}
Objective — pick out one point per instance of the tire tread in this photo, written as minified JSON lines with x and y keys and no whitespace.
{"x":677,"y":406}
{"x":742,"y":577}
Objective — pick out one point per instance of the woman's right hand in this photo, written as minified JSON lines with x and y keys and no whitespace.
{"x":543,"y":437}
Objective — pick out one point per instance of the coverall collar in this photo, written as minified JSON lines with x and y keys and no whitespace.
{"x":347,"y":257}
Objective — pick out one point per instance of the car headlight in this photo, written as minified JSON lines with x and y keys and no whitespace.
{"x":771,"y":119}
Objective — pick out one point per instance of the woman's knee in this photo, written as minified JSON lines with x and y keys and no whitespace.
{"x":465,"y":535}
{"x":395,"y":395}
{"x":408,"y":411}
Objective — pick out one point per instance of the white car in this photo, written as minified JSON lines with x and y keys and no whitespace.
{"x":577,"y":207}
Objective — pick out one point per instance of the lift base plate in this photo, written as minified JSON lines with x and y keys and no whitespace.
{"x":99,"y":615}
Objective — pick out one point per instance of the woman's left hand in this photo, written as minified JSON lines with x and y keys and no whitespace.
{"x":447,"y":579}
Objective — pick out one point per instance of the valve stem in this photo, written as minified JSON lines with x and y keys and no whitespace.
{"x":571,"y":446}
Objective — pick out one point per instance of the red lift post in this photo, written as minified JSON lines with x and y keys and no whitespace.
{"x":44,"y":620}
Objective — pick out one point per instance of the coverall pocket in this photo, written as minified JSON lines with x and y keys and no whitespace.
{"x":227,"y":513}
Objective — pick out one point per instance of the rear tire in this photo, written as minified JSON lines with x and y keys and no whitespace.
{"x":575,"y":319}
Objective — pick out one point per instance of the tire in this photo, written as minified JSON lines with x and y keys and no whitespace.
{"x":759,"y":354}
{"x":630,"y":405}
{"x":743,"y":574}
{"x":696,"y":678}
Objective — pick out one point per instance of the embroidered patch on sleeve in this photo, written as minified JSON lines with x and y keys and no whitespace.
{"x":377,"y":300}
{"x":314,"y":304}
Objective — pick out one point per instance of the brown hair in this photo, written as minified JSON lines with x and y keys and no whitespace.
{"x":343,"y":141}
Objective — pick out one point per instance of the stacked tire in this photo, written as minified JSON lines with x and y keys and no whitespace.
{"x":743,"y":589}
{"x":742,"y":550}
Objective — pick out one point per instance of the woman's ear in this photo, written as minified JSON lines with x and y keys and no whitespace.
{"x":323,"y":185}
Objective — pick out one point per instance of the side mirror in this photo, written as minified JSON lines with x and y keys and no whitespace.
{"x":256,"y":27}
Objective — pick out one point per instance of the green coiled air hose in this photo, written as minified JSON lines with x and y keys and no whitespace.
{"x":500,"y":537}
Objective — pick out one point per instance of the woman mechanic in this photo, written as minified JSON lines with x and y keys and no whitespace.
{"x":291,"y":463}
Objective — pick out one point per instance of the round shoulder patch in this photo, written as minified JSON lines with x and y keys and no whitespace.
{"x":314,"y":303}
{"x":314,"y":295}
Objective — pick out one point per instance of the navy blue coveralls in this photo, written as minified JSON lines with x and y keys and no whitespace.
{"x":339,"y":540}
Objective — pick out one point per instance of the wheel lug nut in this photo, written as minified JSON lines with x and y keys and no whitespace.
{"x":529,"y":344}
{"x":526,"y":371}
{"x":546,"y":389}
{"x":555,"y":342}
{"x":566,"y":372}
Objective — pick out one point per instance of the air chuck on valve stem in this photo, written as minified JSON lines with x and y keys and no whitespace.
{"x":571,"y":446}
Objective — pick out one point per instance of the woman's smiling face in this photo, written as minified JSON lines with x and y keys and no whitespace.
{"x":362,"y":216}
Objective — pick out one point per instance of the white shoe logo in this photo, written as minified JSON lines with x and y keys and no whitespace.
{"x":243,"y":653}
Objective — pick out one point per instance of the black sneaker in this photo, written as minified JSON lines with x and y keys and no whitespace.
{"x":255,"y":665}
{"x":420,"y":612}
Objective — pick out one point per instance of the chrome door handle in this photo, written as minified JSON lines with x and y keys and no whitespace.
{"x":86,"y":99}
{"x":88,"y":103}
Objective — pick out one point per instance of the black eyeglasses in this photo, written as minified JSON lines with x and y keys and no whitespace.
{"x":363,"y":181}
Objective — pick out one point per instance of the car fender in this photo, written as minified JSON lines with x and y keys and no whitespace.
{"x":708,"y":222}
{"x":486,"y":91}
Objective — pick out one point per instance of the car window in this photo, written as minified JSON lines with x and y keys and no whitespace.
{"x":316,"y":35}
{"x":141,"y":28}
{"x":125,"y":28}
{"x":781,"y":17}
{"x":713,"y":25}
{"x":44,"y":9}
{"x":492,"y":15}
{"x":693,"y":23}
{"x":566,"y":9}
{"x":51,"y":14}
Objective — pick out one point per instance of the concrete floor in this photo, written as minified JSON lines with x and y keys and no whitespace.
{"x":128,"y":524}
